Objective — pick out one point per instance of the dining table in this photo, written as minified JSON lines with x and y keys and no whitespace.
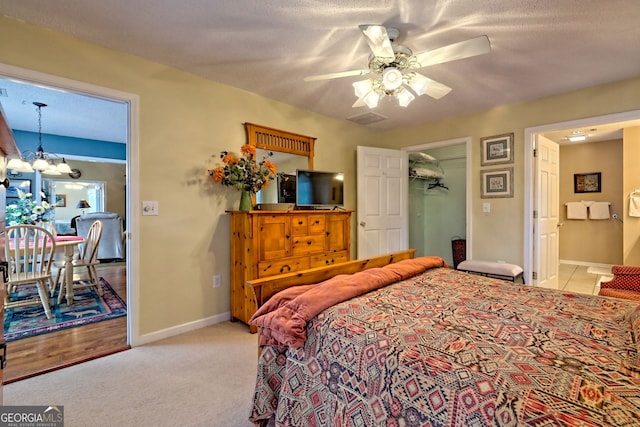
{"x":67,"y":245}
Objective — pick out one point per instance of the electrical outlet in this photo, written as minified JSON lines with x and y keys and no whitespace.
{"x":216,"y":280}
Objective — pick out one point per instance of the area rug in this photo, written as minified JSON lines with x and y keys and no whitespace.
{"x":88,"y":307}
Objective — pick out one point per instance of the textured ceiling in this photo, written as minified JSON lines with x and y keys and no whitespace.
{"x":539,"y":48}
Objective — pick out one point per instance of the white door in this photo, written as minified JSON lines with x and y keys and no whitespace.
{"x":546,"y":207}
{"x":383,"y":224}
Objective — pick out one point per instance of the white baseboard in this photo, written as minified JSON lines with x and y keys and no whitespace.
{"x":180,"y":329}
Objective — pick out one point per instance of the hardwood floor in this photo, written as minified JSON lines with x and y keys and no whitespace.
{"x":43,"y":353}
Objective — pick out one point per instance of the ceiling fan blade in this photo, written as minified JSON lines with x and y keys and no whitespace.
{"x":422,"y":85}
{"x":378,"y":40}
{"x":472,"y":47}
{"x":336,"y":75}
{"x":436,"y":89}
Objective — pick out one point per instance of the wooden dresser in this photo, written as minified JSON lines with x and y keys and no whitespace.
{"x":267,"y":243}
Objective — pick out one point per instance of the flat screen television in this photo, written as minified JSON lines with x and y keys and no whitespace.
{"x":321,"y":190}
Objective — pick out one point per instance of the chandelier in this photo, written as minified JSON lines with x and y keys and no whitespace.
{"x":39,"y":160}
{"x":393,"y":78}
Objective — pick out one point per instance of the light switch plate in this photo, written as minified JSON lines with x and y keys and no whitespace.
{"x":150,"y":208}
{"x":486,"y":207}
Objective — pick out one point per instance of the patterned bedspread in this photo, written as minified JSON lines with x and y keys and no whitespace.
{"x":445,"y":348}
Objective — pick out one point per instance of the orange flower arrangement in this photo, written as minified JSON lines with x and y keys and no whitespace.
{"x":244,"y":173}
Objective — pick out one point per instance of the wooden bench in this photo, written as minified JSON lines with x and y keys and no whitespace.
{"x":498,"y":270}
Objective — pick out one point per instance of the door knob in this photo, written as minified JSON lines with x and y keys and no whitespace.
{"x":362,"y":223}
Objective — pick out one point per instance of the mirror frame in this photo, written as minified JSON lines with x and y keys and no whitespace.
{"x":271,"y":139}
{"x":279,"y":140}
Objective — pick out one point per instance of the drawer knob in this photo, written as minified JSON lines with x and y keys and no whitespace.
{"x":288,"y":268}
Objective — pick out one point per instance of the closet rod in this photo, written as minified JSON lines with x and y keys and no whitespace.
{"x":452,"y":158}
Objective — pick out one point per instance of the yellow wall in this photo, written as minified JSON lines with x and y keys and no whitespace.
{"x":597,"y":241}
{"x":184,"y":121}
{"x":631,"y":239}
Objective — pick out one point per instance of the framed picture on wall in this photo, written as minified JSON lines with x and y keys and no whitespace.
{"x":587,"y":182}
{"x":496,"y":149}
{"x":61,"y":200}
{"x":496,"y":183}
{"x":23,"y":185}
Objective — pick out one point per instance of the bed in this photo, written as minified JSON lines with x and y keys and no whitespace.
{"x":440,"y":347}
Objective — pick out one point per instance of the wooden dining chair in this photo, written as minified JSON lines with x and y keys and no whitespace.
{"x":29,"y":250}
{"x":88,"y":259}
{"x":51,"y":227}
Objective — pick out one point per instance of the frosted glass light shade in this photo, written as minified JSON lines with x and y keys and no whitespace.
{"x":391,"y":79}
{"x":63,"y":167}
{"x":419,"y":83}
{"x":40,"y":164}
{"x":404,"y":97}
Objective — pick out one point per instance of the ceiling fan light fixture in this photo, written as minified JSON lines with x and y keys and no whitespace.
{"x":362,"y":87}
{"x":371,"y":99}
{"x":366,"y":93}
{"x":418,"y":83}
{"x":404,"y":97}
{"x":391,"y":79}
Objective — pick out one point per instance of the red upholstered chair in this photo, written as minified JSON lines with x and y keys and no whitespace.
{"x":625,"y":283}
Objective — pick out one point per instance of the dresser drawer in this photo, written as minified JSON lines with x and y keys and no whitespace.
{"x":323,"y":260}
{"x":273,"y":268}
{"x":301,"y":225}
{"x":302,"y":245}
{"x":317,"y":223}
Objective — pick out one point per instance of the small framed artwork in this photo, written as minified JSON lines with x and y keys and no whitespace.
{"x":23,"y":185}
{"x":61,"y":200}
{"x":587,"y":182}
{"x":496,"y":183}
{"x":497,"y":149}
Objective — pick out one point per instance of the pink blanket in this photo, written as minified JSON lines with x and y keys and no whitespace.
{"x":283,"y":319}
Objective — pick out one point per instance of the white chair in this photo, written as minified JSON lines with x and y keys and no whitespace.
{"x":88,"y":259}
{"x":29,"y":250}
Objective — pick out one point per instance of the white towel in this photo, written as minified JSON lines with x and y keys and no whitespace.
{"x":599,"y":210}
{"x":634,"y":205}
{"x":576,"y":210}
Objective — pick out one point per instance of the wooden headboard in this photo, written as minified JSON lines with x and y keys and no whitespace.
{"x":265,"y":288}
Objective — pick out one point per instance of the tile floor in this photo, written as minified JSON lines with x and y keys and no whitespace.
{"x":581,"y":278}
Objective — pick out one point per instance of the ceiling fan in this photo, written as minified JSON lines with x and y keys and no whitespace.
{"x":393,"y":67}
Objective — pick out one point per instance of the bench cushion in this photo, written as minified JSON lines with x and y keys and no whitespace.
{"x":491,"y":267}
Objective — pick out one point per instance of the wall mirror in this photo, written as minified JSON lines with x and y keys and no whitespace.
{"x":288,"y":151}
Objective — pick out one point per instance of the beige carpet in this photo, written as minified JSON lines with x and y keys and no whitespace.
{"x":202,"y":378}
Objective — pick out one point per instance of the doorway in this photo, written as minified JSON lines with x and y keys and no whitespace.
{"x":532,"y":239}
{"x":439,"y":203}
{"x":36,"y":79}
